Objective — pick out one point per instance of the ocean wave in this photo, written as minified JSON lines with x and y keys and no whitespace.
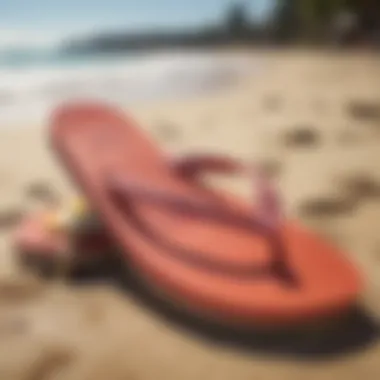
{"x":30,"y":93}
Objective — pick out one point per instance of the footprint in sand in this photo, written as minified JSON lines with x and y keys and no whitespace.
{"x":327,"y":206}
{"x":361,"y":186}
{"x":10,"y":216}
{"x":302,"y":136}
{"x":14,"y":290}
{"x":42,"y":191}
{"x":50,"y":363}
{"x":364,"y":110}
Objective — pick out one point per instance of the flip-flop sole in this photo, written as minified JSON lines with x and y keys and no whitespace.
{"x":95,"y":142}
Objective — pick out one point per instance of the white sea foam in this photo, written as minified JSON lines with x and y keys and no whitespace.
{"x":28,"y":94}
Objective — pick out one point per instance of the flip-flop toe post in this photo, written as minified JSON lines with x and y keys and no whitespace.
{"x":216,"y":254}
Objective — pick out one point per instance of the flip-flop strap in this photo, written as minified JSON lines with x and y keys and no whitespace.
{"x":128,"y":190}
{"x":267,"y":207}
{"x":185,"y":205}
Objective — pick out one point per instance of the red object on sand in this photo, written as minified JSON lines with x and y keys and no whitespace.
{"x":38,"y":244}
{"x":32,"y":237}
{"x":207,"y":249}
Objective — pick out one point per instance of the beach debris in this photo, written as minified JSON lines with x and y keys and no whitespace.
{"x":326,"y":206}
{"x":10,"y":216}
{"x":74,"y":216}
{"x":364,"y":110}
{"x":42,"y":191}
{"x":302,"y":136}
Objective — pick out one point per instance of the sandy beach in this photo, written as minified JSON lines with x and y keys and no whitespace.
{"x":313,"y":119}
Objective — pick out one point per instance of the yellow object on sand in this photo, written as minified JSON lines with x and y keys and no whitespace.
{"x":68,"y":216}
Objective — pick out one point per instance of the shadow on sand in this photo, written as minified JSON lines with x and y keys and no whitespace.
{"x":355,"y":332}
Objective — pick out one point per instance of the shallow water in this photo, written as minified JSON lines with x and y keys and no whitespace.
{"x":29,"y":92}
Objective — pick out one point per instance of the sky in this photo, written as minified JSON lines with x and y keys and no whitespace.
{"x":44,"y":22}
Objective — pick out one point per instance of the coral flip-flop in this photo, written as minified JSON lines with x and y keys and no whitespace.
{"x":215,"y":254}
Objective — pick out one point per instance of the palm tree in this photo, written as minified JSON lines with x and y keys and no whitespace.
{"x":306,"y":19}
{"x":237,"y":21}
{"x":286,"y":20}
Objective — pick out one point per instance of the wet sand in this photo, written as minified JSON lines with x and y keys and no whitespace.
{"x":314,"y":120}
